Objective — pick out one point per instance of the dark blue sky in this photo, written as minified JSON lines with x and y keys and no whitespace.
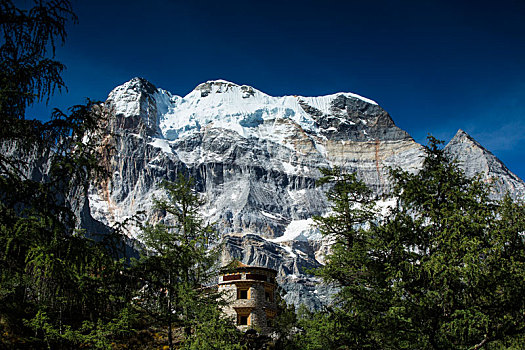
{"x":435,"y":66}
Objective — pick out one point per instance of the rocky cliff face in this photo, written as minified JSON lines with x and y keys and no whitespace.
{"x":256,"y":158}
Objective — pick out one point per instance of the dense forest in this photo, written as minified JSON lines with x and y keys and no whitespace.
{"x":443,"y":269}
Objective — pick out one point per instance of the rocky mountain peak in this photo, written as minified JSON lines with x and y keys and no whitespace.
{"x":463,"y":136}
{"x":136,"y":85}
{"x":221,"y":86}
{"x":135,"y":106}
{"x":476,"y":159}
{"x":463,"y":142}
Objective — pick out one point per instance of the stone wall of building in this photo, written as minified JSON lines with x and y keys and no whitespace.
{"x":249,"y":293}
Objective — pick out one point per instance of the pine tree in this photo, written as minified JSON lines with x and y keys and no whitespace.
{"x":176,"y":269}
{"x":58,"y":289}
{"x":348,"y":263}
{"x":443,"y":270}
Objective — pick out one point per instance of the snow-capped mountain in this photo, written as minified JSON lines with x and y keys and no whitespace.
{"x":242,"y":109}
{"x":256,"y":158}
{"x":248,"y":133}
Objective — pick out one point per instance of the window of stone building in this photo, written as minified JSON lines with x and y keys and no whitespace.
{"x":256,"y":276}
{"x":231,"y":277}
{"x":268,"y":295}
{"x":243,"y":320}
{"x":243,"y":293}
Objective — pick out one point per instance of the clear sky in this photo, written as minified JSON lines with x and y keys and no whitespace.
{"x":435,"y":65}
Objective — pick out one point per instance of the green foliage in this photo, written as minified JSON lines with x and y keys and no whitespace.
{"x":319,"y":330}
{"x":285,"y":323}
{"x":443,"y":270}
{"x":27,"y":72}
{"x":348,"y":264}
{"x":353,"y":211}
{"x":176,"y":268}
{"x":58,"y":289}
{"x":97,"y":335}
{"x":211,"y":330}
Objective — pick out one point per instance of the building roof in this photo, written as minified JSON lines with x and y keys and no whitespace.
{"x":239,"y":266}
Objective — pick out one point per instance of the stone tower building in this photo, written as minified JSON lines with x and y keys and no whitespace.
{"x":250,"y":294}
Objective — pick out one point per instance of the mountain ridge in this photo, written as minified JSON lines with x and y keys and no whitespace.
{"x":246,"y":108}
{"x":256,"y":159}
